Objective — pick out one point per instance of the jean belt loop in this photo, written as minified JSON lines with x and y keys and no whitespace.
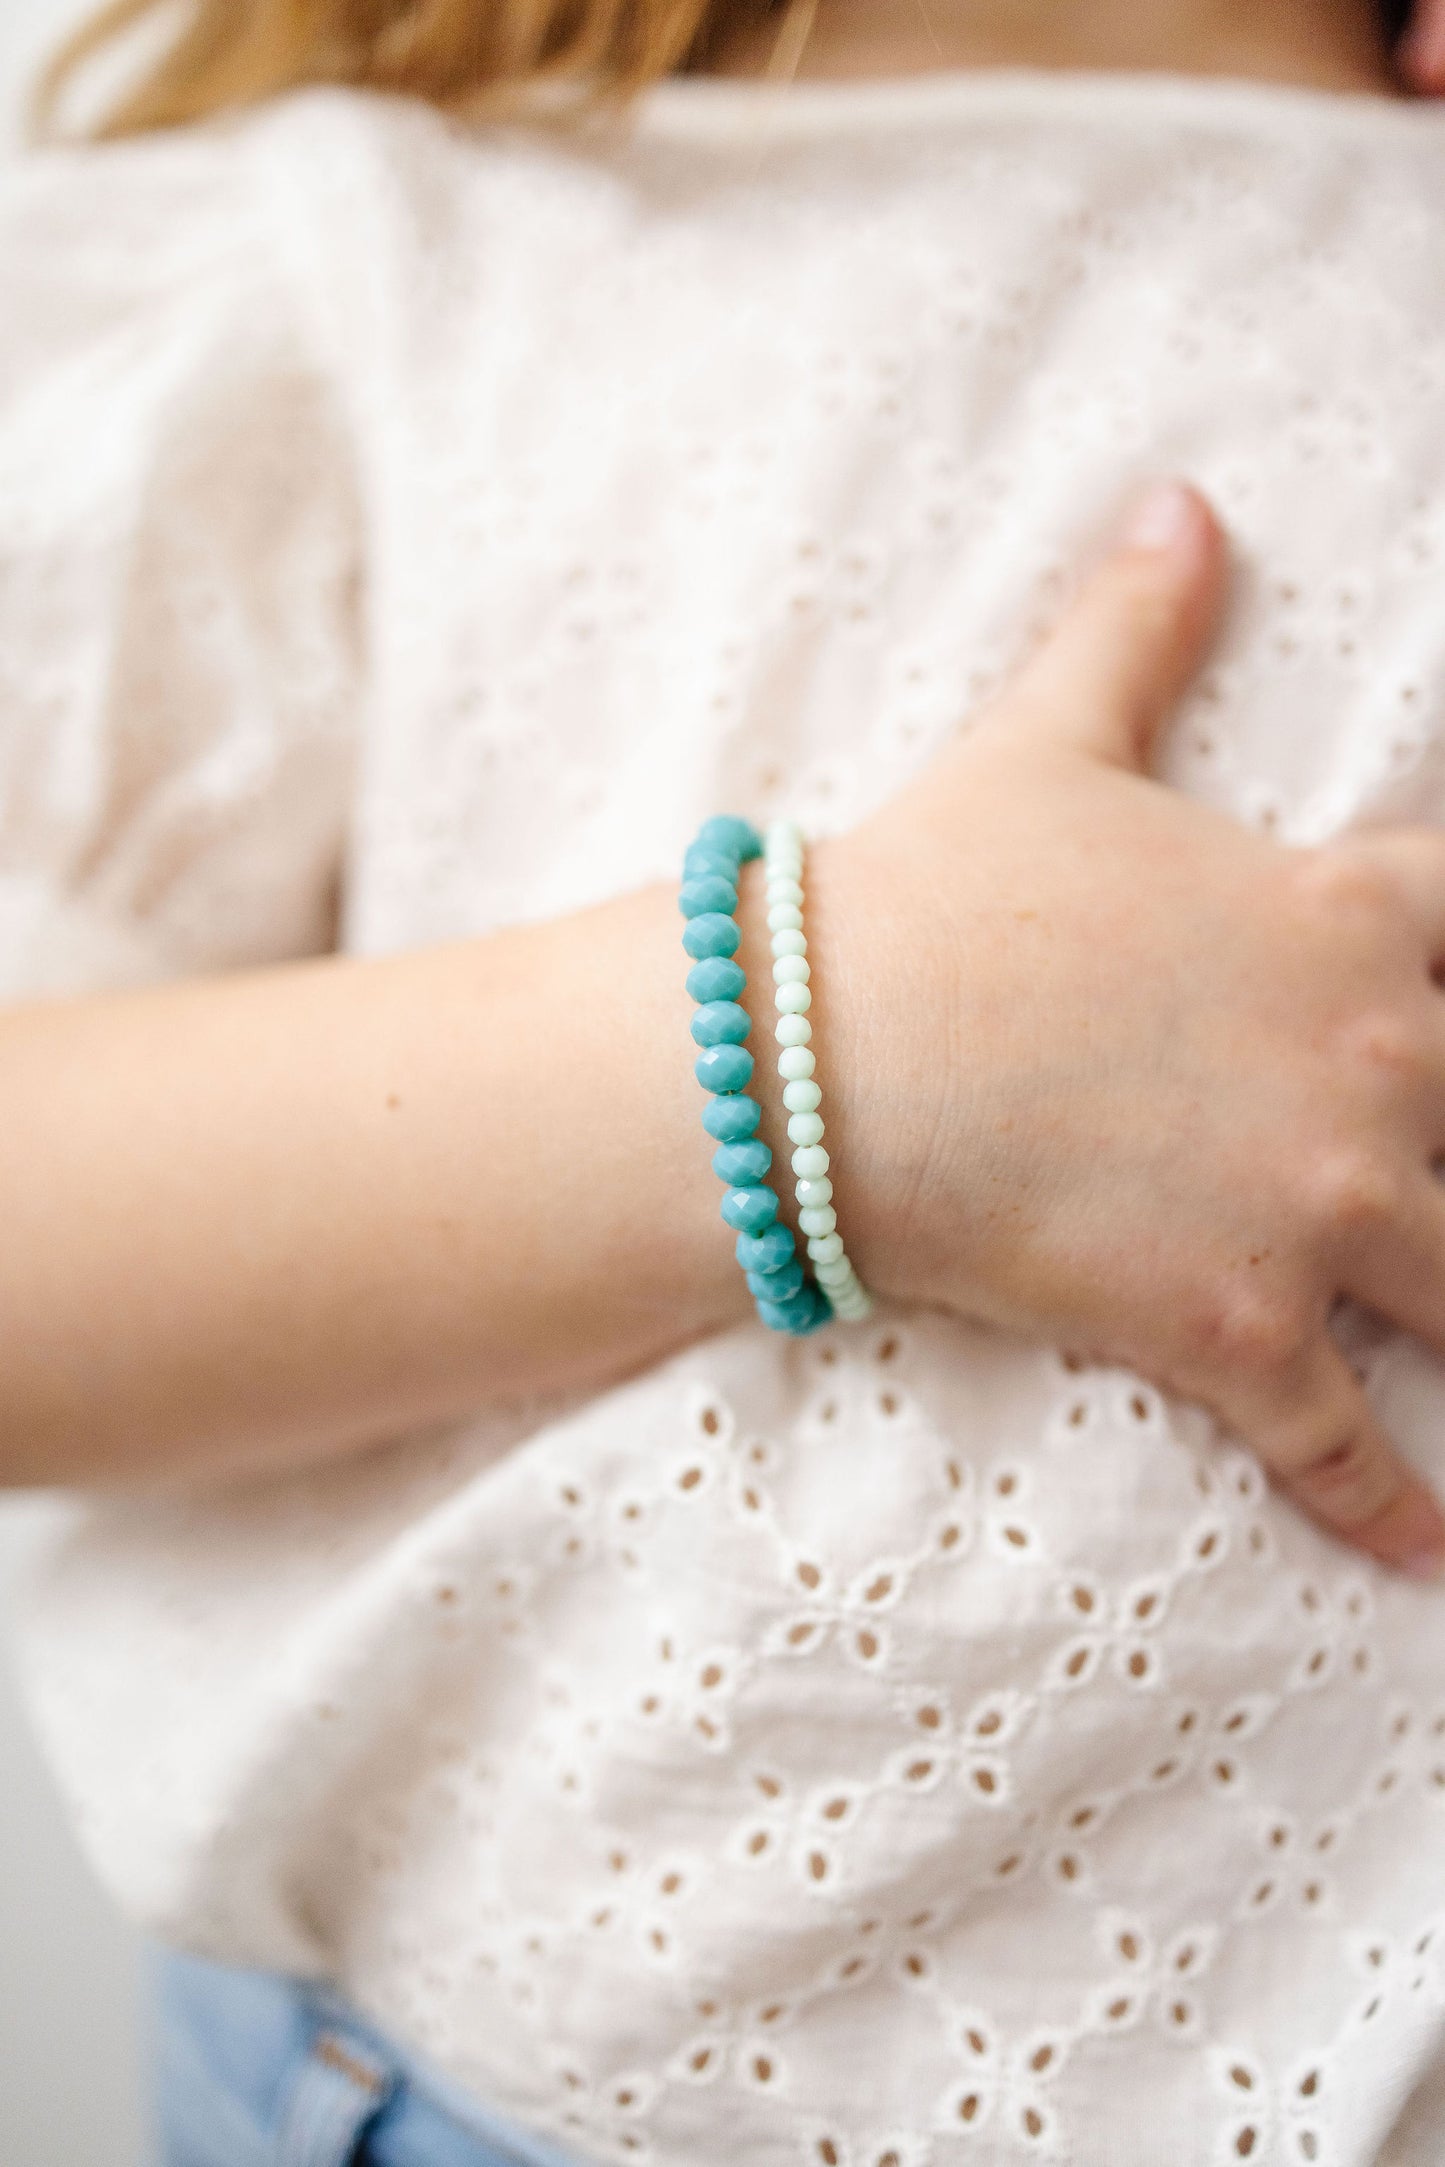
{"x":340,"y":2091}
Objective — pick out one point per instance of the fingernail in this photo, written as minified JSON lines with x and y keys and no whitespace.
{"x":1426,"y":1564}
{"x":1162,"y":518}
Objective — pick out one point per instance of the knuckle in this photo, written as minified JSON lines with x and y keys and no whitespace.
{"x":1340,"y":1471}
{"x":1352,"y":1192}
{"x":1386,"y":1046}
{"x":1258,"y":1335}
{"x":1141,"y":594}
{"x":1338,"y":882}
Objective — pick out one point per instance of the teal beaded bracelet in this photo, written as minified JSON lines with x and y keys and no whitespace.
{"x":787,"y":1300}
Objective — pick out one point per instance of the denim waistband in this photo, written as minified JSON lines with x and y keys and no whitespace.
{"x":259,"y":2071}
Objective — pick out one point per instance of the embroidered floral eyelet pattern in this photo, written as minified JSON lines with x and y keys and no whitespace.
{"x":897,"y":1753}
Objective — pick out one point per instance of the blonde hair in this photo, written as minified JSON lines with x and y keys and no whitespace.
{"x":234,"y":52}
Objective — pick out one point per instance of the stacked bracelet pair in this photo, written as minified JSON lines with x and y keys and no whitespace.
{"x":787,"y":1300}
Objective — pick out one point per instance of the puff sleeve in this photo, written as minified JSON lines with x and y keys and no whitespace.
{"x":179,"y":578}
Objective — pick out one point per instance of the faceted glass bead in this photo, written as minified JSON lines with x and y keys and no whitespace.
{"x":750,"y":1210}
{"x":794,"y":1316}
{"x":767,"y":1251}
{"x":724,"y":1068}
{"x":713,"y":934}
{"x":720,"y":1023}
{"x":778,"y":1286}
{"x":716,"y":978}
{"x":740,"y":1165}
{"x":726,"y":832}
{"x":731,"y":1119}
{"x":700,"y":861}
{"x":710,"y":891}
{"x":784,"y":836}
{"x":822,"y":1312}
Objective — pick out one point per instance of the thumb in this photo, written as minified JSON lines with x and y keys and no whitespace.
{"x":1127,"y":647}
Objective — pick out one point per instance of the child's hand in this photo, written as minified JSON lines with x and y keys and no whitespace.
{"x":1109,"y":1067}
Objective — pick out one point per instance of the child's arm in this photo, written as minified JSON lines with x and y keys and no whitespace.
{"x":1101,"y":1064}
{"x":254,"y":1217}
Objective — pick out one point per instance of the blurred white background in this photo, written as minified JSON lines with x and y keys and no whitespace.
{"x":70,"y":2062}
{"x":28,"y":28}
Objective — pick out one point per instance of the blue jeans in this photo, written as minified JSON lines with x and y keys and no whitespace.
{"x":257,"y":2071}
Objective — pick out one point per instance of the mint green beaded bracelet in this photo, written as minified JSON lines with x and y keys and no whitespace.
{"x":786,"y":1300}
{"x":802,"y":1095}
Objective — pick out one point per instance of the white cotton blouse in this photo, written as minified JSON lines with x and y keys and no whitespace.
{"x":907,"y":1748}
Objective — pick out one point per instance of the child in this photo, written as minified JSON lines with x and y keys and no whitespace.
{"x":559,"y":1718}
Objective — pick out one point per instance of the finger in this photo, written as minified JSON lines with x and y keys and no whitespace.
{"x":1129,"y":644}
{"x":1315,"y":1430}
{"x":1399,"y":1270}
{"x":1421,"y":56}
{"x":1413,"y":860}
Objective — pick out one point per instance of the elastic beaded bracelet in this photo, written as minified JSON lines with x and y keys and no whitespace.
{"x":793,"y":997}
{"x":787,"y":1300}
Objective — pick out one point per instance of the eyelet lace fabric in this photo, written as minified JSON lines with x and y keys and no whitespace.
{"x":899,"y":1750}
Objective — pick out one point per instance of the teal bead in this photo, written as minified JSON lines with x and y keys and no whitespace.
{"x":778,"y":1286}
{"x":788,"y":1300}
{"x":742,"y":1164}
{"x":720,"y":1023}
{"x":750,"y":1211}
{"x":769,"y":1251}
{"x":713,"y":934}
{"x":731,"y":1119}
{"x":797,"y":1315}
{"x":739,"y":838}
{"x":708,"y":892}
{"x":716,"y":979}
{"x":699,"y":862}
{"x":822,"y":1313}
{"x":724,"y":1068}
